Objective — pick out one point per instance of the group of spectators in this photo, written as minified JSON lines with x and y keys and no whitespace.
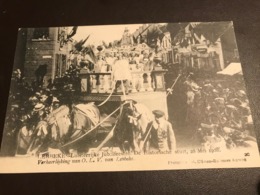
{"x":105,"y":61}
{"x":27,"y":106}
{"x":216,"y":110}
{"x":219,"y":110}
{"x":31,"y":103}
{"x":120,"y":65}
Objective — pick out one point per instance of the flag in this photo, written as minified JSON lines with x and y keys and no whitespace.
{"x":89,"y":51}
{"x":85,"y":40}
{"x":79,"y":45}
{"x":153,"y":34}
{"x":72,"y":32}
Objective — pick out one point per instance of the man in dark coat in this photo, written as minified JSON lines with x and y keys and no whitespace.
{"x":40,"y":72}
{"x":161,"y":135}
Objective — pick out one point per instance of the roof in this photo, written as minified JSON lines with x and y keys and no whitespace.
{"x":232,"y":69}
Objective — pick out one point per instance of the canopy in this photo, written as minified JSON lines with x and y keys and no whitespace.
{"x":232,"y":69}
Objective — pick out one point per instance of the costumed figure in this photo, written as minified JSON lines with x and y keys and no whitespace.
{"x":121,"y":73}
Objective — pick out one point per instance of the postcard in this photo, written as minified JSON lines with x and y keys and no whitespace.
{"x":130,"y":97}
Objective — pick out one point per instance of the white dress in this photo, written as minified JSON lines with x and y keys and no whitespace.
{"x":121,"y":70}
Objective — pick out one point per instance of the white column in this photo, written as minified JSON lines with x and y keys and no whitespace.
{"x":84,"y":86}
{"x":106,"y":83}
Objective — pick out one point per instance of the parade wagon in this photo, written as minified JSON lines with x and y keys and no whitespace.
{"x":99,"y":118}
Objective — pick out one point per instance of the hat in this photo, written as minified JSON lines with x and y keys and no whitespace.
{"x":236,"y":102}
{"x":55,"y":100}
{"x":241,"y":93}
{"x":219,"y":100}
{"x":215,"y":91}
{"x":33,"y":99}
{"x":158,"y":113}
{"x":38,"y":107}
{"x":38,"y":94}
{"x":15,"y":106}
{"x":231,"y":107}
{"x":245,"y":109}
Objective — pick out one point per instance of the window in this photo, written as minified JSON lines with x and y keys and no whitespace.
{"x":41,"y":33}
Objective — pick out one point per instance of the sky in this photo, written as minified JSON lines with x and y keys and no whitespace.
{"x":107,"y":33}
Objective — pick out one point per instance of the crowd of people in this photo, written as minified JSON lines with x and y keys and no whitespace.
{"x":31,"y":103}
{"x":29,"y":106}
{"x":120,"y":64}
{"x":218,"y":110}
{"x":106,"y":60}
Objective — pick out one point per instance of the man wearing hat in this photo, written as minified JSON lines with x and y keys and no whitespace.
{"x":39,"y":111}
{"x":160,"y":134}
{"x":41,"y":128}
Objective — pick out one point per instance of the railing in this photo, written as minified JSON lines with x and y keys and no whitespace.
{"x":141,"y":81}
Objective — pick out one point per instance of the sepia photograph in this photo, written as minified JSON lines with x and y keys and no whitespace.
{"x":153,"y":96}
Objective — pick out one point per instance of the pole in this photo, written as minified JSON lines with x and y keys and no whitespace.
{"x":173,"y":85}
{"x":145,"y":139}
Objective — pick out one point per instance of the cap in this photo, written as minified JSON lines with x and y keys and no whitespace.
{"x":158,"y":113}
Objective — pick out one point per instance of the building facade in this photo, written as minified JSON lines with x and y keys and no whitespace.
{"x":46,"y":53}
{"x":208,"y":46}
